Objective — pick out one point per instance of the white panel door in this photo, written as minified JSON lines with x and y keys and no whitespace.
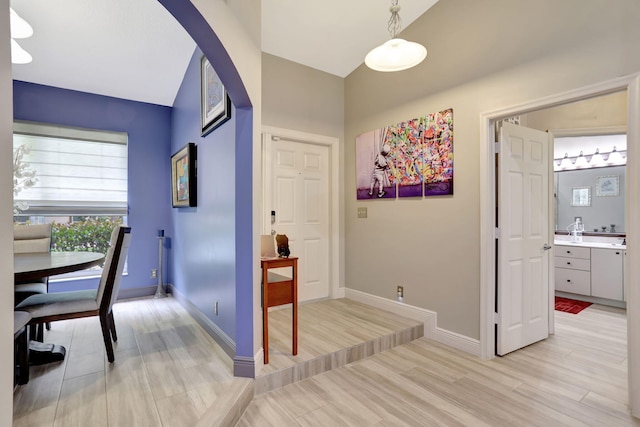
{"x":300,"y":193}
{"x":523,"y":220}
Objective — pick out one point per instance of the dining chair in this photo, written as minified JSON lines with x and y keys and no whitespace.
{"x":95,"y":302}
{"x":29,"y":239}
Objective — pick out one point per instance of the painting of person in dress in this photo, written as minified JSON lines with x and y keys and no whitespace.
{"x":380,"y":176}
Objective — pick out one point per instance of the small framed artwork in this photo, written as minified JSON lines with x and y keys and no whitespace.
{"x":608,"y":186}
{"x":215,"y":104}
{"x":184,"y":190}
{"x":581,"y":196}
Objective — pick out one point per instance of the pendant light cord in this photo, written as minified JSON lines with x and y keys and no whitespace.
{"x":395,"y":23}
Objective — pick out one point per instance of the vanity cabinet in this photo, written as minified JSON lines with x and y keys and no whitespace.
{"x":573,"y":270}
{"x":596,"y":272}
{"x":607,"y":280}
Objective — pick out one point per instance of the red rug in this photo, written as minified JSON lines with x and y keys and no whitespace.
{"x":570,"y":305}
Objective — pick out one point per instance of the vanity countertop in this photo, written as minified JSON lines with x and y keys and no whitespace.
{"x":591,"y":244}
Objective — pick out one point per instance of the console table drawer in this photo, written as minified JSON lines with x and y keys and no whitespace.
{"x":573,"y":263}
{"x":573,"y":252}
{"x":574,"y":281}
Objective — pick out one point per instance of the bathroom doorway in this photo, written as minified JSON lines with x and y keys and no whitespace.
{"x":629,"y":85}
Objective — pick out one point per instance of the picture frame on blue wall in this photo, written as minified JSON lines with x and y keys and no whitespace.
{"x":184,"y":175}
{"x":215,"y":104}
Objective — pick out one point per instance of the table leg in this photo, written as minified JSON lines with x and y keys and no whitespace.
{"x":295,"y":307}
{"x":265,"y":315}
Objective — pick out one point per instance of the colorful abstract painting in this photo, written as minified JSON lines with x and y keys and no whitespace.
{"x":415,"y":157}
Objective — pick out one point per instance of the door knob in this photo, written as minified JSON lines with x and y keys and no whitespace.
{"x":546,"y":247}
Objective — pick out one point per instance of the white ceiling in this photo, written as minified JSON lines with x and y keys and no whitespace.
{"x":134,"y":49}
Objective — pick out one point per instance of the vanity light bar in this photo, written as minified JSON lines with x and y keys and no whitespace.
{"x":595,"y":160}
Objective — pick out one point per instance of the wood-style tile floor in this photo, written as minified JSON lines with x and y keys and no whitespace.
{"x":578,"y":377}
{"x":167,"y":372}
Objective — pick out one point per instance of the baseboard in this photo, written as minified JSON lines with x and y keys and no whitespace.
{"x":244,"y":367}
{"x":219,"y":336}
{"x":428,"y":317}
{"x":136,"y":292}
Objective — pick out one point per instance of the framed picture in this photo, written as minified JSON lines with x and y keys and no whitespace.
{"x":215,"y":104}
{"x":184,"y":190}
{"x":581,"y":196}
{"x":608,"y":186}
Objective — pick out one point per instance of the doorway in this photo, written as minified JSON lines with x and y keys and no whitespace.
{"x":308,"y":154}
{"x":631,"y":84}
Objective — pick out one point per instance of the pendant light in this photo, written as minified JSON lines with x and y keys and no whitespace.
{"x":396,"y":54}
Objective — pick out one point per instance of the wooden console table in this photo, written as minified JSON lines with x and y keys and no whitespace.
{"x":279,"y":292}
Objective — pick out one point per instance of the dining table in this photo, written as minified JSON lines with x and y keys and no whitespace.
{"x":36,"y":265}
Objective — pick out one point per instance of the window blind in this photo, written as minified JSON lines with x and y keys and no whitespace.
{"x":79,"y":171}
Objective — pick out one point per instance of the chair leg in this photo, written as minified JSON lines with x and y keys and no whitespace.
{"x":22,"y":343}
{"x":35,"y":331}
{"x":40,"y":332}
{"x":104,"y":323}
{"x":112,"y":326}
{"x":48,"y":326}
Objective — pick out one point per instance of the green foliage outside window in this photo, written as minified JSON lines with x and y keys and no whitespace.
{"x":90,"y":234}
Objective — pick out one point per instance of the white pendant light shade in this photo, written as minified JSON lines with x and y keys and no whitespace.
{"x":18,"y":54}
{"x":395,"y":55}
{"x":597,"y":159}
{"x":20,"y":29}
{"x":615,"y":158}
{"x":581,"y":161}
{"x":566,"y":162}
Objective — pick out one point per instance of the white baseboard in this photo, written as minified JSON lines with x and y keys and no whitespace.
{"x":428,"y":317}
{"x":338,"y":293}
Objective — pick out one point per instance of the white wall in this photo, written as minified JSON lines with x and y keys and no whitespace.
{"x":6,"y":227}
{"x":482,"y":56}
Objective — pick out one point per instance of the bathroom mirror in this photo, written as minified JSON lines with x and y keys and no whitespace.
{"x":581,"y":196}
{"x":587,"y":194}
{"x":589,"y":179}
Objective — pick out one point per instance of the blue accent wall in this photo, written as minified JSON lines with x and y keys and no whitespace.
{"x":149,"y":130}
{"x":204,"y":242}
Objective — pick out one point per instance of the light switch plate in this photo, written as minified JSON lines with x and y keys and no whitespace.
{"x":362,"y":212}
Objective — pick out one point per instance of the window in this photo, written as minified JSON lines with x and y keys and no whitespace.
{"x":71,"y":177}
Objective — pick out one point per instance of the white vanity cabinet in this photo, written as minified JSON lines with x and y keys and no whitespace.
{"x":573,"y":266}
{"x":592,"y":271}
{"x":607,"y":279}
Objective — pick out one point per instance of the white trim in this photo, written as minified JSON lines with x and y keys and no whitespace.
{"x":428,"y":317}
{"x":334,"y":210}
{"x":487,"y":211}
{"x":600,"y":131}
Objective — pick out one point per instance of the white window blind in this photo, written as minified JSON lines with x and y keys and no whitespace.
{"x":79,"y":171}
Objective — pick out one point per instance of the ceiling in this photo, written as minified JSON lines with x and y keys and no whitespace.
{"x":134,"y":49}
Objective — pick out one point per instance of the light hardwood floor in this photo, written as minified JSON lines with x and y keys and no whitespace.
{"x":169,"y":372}
{"x":577,"y":377}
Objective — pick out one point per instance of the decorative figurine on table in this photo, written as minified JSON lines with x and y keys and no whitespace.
{"x":283,"y":245}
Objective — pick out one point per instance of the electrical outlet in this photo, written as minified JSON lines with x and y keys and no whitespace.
{"x":400,"y":292}
{"x":215,"y":308}
{"x":154,"y":273}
